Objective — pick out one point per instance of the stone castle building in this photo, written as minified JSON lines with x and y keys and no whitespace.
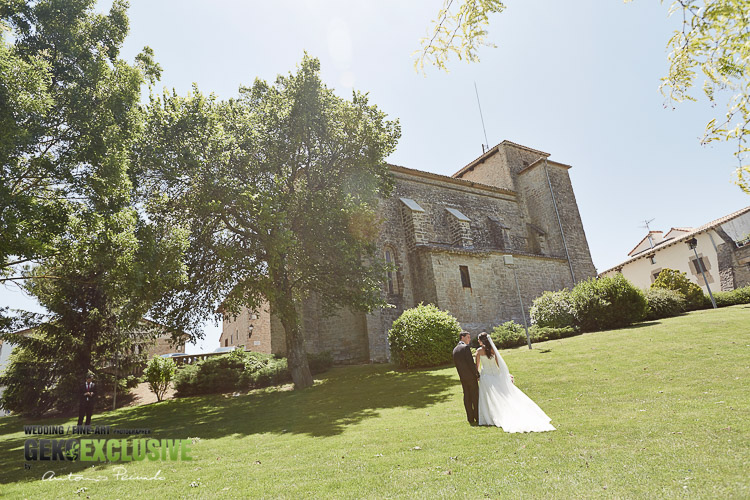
{"x":447,"y":236}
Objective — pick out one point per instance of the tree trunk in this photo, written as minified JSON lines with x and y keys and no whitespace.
{"x":296,"y":355}
{"x":295,"y":342}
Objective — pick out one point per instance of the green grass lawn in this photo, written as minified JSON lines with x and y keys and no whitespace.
{"x":659,"y":410}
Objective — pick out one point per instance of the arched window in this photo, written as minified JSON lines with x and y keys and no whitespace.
{"x":391,"y":278}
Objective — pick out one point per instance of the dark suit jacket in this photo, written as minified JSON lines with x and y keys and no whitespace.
{"x":467,"y":368}
{"x":83,"y":390}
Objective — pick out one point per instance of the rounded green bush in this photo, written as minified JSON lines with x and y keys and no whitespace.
{"x":678,"y":281}
{"x":609,"y":302}
{"x":509,"y":334}
{"x":552,"y":310}
{"x":423,"y":336}
{"x":664,"y":303}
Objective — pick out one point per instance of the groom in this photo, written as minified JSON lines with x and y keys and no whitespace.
{"x":467,"y":372}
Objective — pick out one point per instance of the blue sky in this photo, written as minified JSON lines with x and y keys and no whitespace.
{"x":578,"y":80}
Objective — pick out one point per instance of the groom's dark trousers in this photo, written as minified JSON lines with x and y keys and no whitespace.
{"x":467,"y":372}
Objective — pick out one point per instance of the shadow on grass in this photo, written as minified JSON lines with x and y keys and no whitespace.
{"x":643,"y":324}
{"x":342,"y":397}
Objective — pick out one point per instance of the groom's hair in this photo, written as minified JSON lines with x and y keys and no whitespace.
{"x":463,"y":334}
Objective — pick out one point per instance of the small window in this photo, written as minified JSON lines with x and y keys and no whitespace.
{"x":465,"y":279}
{"x":654,"y":276}
{"x":391,"y":280}
{"x":697,"y":266}
{"x":226,"y":342}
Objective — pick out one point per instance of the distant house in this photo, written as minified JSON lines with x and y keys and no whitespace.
{"x":252,"y":331}
{"x":723,"y":248}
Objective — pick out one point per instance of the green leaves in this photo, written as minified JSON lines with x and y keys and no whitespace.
{"x":159,"y":374}
{"x":460,"y":29}
{"x":423,"y":336}
{"x":715,"y":40}
{"x":277,"y":189}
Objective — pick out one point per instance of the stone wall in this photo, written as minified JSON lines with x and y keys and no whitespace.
{"x":742,"y":266}
{"x":343,"y":334}
{"x":492,"y":298}
{"x":525,"y":170}
{"x":161,"y":346}
{"x":248,"y":330}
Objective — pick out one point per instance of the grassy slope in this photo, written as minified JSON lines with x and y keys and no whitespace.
{"x":657,"y":410}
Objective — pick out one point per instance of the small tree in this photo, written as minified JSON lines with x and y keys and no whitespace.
{"x":159,"y":374}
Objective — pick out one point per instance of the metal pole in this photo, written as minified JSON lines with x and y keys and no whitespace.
{"x":523,"y":312}
{"x":700,"y":266}
{"x":114,"y":398}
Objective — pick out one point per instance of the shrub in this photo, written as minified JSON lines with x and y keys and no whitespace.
{"x":678,"y":281}
{"x":609,"y":302}
{"x":552,"y":309}
{"x":509,"y":334}
{"x":423,"y":336}
{"x":542,"y":333}
{"x":240,"y":370}
{"x":185,"y":381}
{"x":159,"y":374}
{"x":733,"y":297}
{"x":320,"y":363}
{"x":274,"y":372}
{"x":215,"y":374}
{"x":664,"y":303}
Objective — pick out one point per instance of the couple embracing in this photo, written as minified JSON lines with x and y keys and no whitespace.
{"x":490,"y":397}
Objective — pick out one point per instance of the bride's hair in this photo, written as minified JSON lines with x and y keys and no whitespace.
{"x":485,"y":340}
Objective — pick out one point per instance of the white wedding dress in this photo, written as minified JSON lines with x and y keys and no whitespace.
{"x":503,"y":404}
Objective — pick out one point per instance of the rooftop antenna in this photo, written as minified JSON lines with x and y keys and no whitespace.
{"x":486,"y":145}
{"x":646,"y":226}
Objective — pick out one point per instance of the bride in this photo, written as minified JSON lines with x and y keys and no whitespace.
{"x":500,"y":402}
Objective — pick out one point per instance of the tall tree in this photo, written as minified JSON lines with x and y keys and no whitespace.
{"x":67,"y":194}
{"x":109,"y":269}
{"x":714,"y":39}
{"x":279,"y":189}
{"x":67,"y":112}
